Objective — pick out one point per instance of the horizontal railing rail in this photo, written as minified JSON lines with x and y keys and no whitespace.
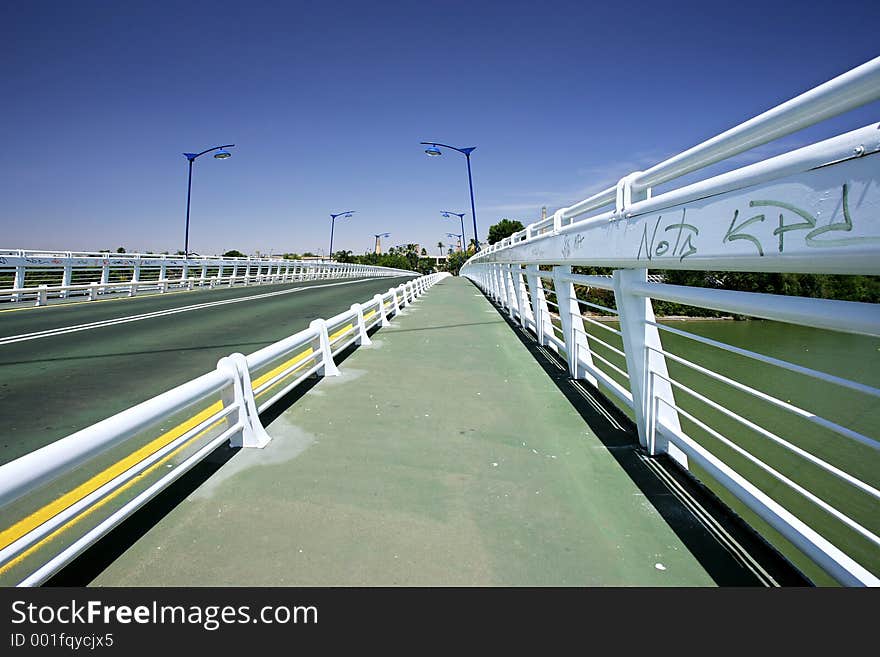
{"x":39,"y":276}
{"x":60,"y":499}
{"x":802,"y":472}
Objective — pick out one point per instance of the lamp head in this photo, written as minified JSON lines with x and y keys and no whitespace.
{"x":222,"y":154}
{"x":433,"y":151}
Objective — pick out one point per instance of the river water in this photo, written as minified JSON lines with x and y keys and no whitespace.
{"x":850,"y":356}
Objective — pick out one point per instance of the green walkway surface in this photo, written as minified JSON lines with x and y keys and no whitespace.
{"x":443,"y":455}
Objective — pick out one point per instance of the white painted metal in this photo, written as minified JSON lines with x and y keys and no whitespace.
{"x":812,"y":210}
{"x":149,"y":272}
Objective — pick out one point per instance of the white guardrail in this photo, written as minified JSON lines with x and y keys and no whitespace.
{"x":58,"y":500}
{"x":813,"y":210}
{"x":38,"y":276}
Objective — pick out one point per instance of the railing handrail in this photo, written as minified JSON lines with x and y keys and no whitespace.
{"x":808,"y":211}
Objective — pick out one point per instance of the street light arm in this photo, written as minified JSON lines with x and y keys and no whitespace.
{"x":339,"y":214}
{"x":464,"y":151}
{"x":192,"y":156}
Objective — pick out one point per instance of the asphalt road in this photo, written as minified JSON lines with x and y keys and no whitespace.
{"x":60,"y":372}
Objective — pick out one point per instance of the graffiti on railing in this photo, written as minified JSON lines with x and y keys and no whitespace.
{"x":684,"y":245}
{"x":791,"y":218}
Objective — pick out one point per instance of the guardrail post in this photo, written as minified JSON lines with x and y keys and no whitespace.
{"x":66,"y":279}
{"x":522,"y":298}
{"x":18,"y":282}
{"x":380,"y":304}
{"x":497,"y":286}
{"x":577,"y":346}
{"x":42,"y":295}
{"x":136,"y":271}
{"x":363,"y":339}
{"x":252,"y":433}
{"x":93,"y":291}
{"x":328,"y":367}
{"x":509,"y":292}
{"x":190,"y":283}
{"x":395,"y":304}
{"x":543,"y":327}
{"x":641,"y":343}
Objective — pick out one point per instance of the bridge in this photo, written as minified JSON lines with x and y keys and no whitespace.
{"x":530,"y":422}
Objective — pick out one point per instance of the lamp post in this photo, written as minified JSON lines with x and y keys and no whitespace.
{"x":221,"y":154}
{"x":460,"y":215}
{"x":344,"y":215}
{"x":460,"y":240}
{"x":378,"y":236}
{"x":433,"y":150}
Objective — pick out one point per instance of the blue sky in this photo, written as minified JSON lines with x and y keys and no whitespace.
{"x":327,"y":103}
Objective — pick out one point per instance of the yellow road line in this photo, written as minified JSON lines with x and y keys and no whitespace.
{"x":34,"y":520}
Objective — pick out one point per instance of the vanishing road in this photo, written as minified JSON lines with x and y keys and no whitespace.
{"x":64,"y":367}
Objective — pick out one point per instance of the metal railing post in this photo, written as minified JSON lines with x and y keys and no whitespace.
{"x":509,"y":293}
{"x":328,"y":367}
{"x":543,"y":327}
{"x":18,"y":282}
{"x":394,"y":302}
{"x":380,"y":305}
{"x":363,"y":339}
{"x":522,"y":298}
{"x":641,"y":344}
{"x":577,"y":348}
{"x":66,"y":278}
{"x":242,"y":397}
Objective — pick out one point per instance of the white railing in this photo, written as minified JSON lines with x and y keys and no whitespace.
{"x":58,"y":500}
{"x":37,"y":276}
{"x":812,"y":210}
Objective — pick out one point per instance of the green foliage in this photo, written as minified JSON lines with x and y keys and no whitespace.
{"x":121,"y":249}
{"x":826,"y":286}
{"x":504,"y":228}
{"x":455,"y":261}
{"x":234,"y":254}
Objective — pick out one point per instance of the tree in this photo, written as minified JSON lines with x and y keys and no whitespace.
{"x":440,"y":247}
{"x":504,"y":228}
{"x":455,"y":261}
{"x":234,"y":254}
{"x":121,"y":249}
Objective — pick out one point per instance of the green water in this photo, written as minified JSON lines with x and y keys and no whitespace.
{"x":850,"y":356}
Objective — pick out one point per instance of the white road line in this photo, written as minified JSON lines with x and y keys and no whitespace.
{"x":160,"y":313}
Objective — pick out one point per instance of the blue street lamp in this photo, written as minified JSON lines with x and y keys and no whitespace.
{"x":460,"y":239}
{"x":344,"y":215}
{"x":433,"y":150}
{"x":221,"y":154}
{"x":460,"y":215}
{"x":378,"y":236}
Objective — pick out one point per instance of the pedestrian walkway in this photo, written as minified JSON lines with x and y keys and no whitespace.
{"x":444,"y":455}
